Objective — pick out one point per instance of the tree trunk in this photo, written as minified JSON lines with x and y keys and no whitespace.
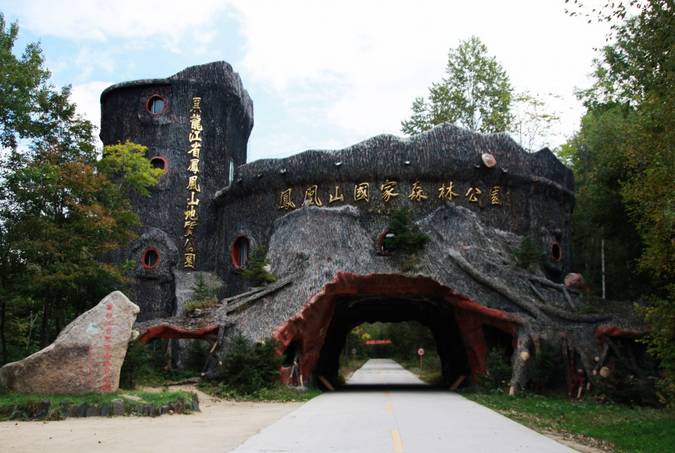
{"x":44,"y":340}
{"x":3,"y":341}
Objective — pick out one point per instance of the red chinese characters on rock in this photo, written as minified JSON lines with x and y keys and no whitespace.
{"x":106,"y":356}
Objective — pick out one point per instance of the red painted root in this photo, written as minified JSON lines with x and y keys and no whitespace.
{"x":169,"y":331}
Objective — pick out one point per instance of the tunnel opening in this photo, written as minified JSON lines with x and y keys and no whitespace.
{"x":436,"y":315}
{"x":455,"y":321}
{"x":409,"y":344}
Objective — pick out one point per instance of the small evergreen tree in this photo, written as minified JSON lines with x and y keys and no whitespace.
{"x":403,"y":235}
{"x":256,"y":271}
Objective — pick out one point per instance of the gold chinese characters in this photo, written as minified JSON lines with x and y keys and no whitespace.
{"x":191,"y":214}
{"x":388,"y":191}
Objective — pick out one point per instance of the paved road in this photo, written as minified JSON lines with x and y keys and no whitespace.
{"x":406,"y":420}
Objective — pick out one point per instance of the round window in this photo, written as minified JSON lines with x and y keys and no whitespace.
{"x":159,"y":162}
{"x":240,"y":252}
{"x":150,"y":258}
{"x":157,"y":104}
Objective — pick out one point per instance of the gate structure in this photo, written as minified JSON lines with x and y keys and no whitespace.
{"x":323,"y":218}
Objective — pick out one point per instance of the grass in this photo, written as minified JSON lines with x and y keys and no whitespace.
{"x":431,"y":371}
{"x":277,"y":393}
{"x":625,"y":428}
{"x":11,"y":402}
{"x":191,"y":307}
{"x":349,"y":365}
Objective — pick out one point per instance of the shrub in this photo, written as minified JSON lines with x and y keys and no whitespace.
{"x":256,"y":271}
{"x":403,"y":235}
{"x":499,"y":370}
{"x":248,"y":367}
{"x":197,"y":353}
{"x":137,"y":362}
{"x":625,"y":387}
{"x":202,"y":297}
{"x":404,"y":239}
{"x":547,"y":369}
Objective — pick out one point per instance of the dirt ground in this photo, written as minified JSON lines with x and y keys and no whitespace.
{"x":220,"y":426}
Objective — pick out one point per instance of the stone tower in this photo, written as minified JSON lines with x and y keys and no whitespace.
{"x":196,"y":125}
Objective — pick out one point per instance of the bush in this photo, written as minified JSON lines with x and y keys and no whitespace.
{"x":404,"y":239}
{"x":547,"y":369}
{"x":136,"y":362}
{"x":624,"y":386}
{"x":197,"y":353}
{"x":403,"y":235}
{"x":248,"y":367}
{"x":256,"y":271}
{"x":146,"y":364}
{"x":203,"y":297}
{"x":499,"y":370}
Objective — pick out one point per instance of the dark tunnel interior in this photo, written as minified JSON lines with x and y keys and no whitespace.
{"x":437,"y":315}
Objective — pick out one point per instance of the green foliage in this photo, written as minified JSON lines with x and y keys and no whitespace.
{"x":23,"y":83}
{"x":248,"y":367}
{"x":61,"y":213}
{"x":476,"y":94}
{"x":547,"y":369}
{"x":623,"y":157}
{"x":625,"y":428}
{"x":528,"y":254}
{"x":145,"y":364}
{"x":499,"y":370}
{"x":404,"y":239}
{"x":202,"y":298}
{"x":194,"y":305}
{"x":62,"y":206}
{"x":276,"y":393}
{"x":256,"y":271}
{"x":660,"y":315}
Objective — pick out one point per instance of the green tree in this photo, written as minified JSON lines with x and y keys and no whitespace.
{"x":635,"y":72}
{"x":475,"y":94}
{"x":22,"y":86}
{"x":61,"y":216}
{"x":596,"y":155}
{"x":63,"y":205}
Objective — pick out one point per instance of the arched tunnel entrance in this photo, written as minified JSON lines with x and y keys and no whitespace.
{"x":436,"y":315}
{"x":464,"y":330}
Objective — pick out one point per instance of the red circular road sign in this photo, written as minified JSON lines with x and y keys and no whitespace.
{"x":420,"y":352}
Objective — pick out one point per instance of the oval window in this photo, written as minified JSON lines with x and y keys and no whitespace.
{"x":156,"y":104}
{"x":556,"y":252}
{"x":150,"y":258}
{"x":240,"y":252}
{"x":159,"y":162}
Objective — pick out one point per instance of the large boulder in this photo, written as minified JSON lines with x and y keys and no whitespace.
{"x":86,"y":356}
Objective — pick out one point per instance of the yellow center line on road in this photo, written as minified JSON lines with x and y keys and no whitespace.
{"x":390,"y":408}
{"x":396,"y":440}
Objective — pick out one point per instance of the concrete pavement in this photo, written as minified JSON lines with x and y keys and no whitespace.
{"x":414,"y":419}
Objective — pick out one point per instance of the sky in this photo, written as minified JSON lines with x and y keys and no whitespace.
{"x":322,"y":74}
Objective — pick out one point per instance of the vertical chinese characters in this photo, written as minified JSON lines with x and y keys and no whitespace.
{"x":191,"y":217}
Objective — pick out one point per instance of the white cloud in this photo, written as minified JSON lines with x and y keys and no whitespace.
{"x":347,"y":69}
{"x":101,"y":20}
{"x":366,"y":61}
